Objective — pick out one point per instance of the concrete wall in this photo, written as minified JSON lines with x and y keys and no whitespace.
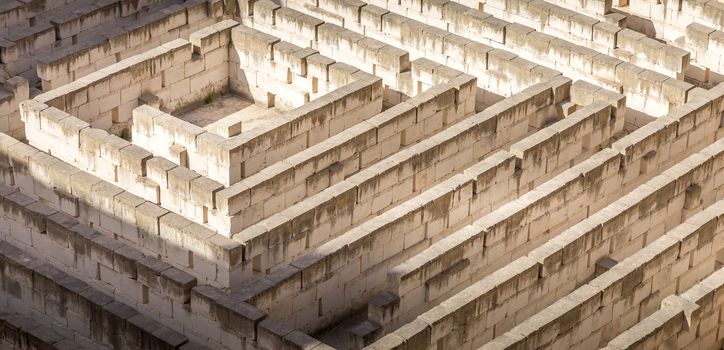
{"x":210,"y":257}
{"x":28,"y":33}
{"x":366,"y":193}
{"x":382,"y":60}
{"x":492,"y":31}
{"x":368,"y":251}
{"x":424,"y":279}
{"x":326,"y":270}
{"x":171,"y":72}
{"x":688,"y":320}
{"x":658,"y":143}
{"x":531,"y":283}
{"x":22,"y":332}
{"x":124,"y":279}
{"x":338,"y":157}
{"x":28,"y":37}
{"x":645,"y":90}
{"x":526,"y":278}
{"x":631,"y":290}
{"x":14,"y":91}
{"x":566,"y":24}
{"x":42,"y":291}
{"x":155,"y":179}
{"x":228,"y":160}
{"x":584,"y":93}
{"x":597,"y":9}
{"x":369,"y":55}
{"x":73,"y":62}
{"x":705,"y":44}
{"x":74,"y":304}
{"x":499,"y":75}
{"x":456,"y":258}
{"x":670,"y":18}
{"x":356,"y":97}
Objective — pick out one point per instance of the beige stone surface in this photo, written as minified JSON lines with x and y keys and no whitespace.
{"x":419,"y":174}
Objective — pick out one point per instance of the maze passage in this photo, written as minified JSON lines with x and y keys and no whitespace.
{"x":342,"y":174}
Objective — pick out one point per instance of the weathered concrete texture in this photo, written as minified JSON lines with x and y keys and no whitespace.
{"x":52,"y":43}
{"x":131,"y":219}
{"x":670,"y":264}
{"x":413,"y":174}
{"x":420,"y":33}
{"x":630,"y":223}
{"x":688,"y":319}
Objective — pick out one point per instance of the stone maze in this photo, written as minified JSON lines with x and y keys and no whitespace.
{"x":341,"y":174}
